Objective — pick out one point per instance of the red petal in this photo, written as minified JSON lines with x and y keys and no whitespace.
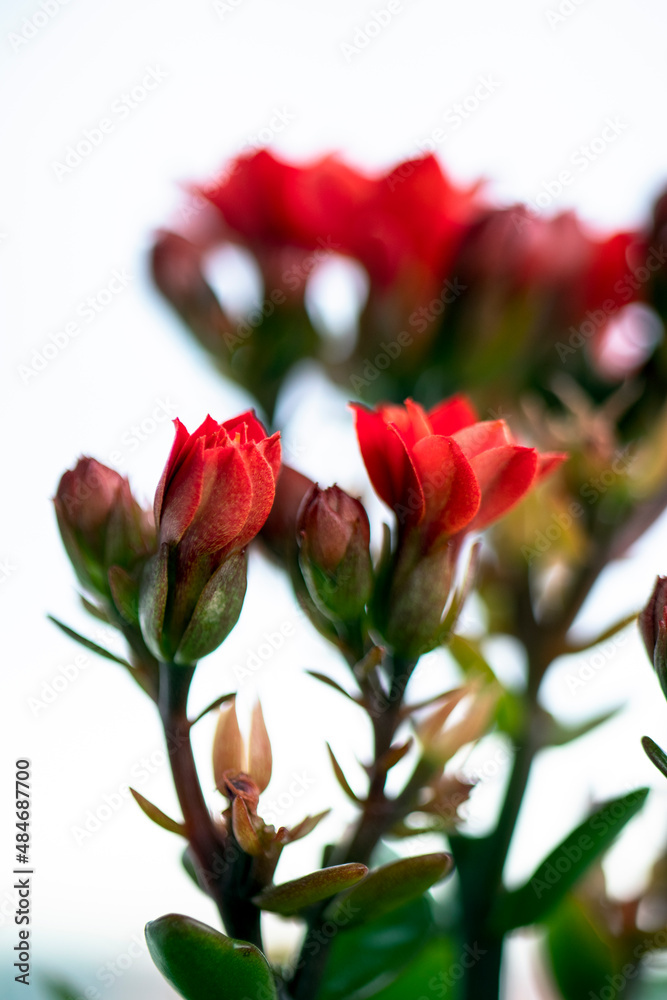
{"x":452,"y":495}
{"x":548,"y":462}
{"x":183,"y":492}
{"x":452,"y":415}
{"x":254,"y":429}
{"x":387,"y":461}
{"x":272,"y":451}
{"x":173,"y":462}
{"x":504,"y":474}
{"x":225,"y":501}
{"x":263,"y":490}
{"x":482,"y":436}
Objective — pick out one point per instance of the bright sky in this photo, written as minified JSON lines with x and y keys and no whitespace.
{"x":164,"y":92}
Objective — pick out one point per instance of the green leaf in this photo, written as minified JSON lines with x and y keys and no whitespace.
{"x":153,"y":600}
{"x":157,"y":815}
{"x":125,"y":593}
{"x":469,"y":657}
{"x":342,"y":780}
{"x":582,"y":647}
{"x":563,"y":868}
{"x":201,"y":964}
{"x":428,"y":975}
{"x":557,"y":735}
{"x":295,"y":896}
{"x":581,"y":959}
{"x":655,"y":754}
{"x":375,"y":952}
{"x":217,"y":610}
{"x":390,"y":886}
{"x":330,"y":682}
{"x":212,"y":707}
{"x":88,"y":643}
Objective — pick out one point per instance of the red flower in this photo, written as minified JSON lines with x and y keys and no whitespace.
{"x":214,"y":496}
{"x":445,"y":471}
{"x":218,"y":485}
{"x":411,"y":219}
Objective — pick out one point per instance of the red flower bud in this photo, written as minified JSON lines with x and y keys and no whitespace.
{"x":653,"y":627}
{"x":101,"y":524}
{"x":214,"y":495}
{"x":334,"y":534}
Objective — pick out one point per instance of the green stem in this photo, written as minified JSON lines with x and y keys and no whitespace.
{"x":379,"y":814}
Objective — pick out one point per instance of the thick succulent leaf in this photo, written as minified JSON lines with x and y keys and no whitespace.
{"x":375,"y":952}
{"x":582,"y":961}
{"x":295,"y":896}
{"x":563,"y":868}
{"x":157,"y":815}
{"x":200,"y":963}
{"x":390,"y":886}
{"x":429,"y":975}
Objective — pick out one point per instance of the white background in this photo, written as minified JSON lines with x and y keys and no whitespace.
{"x":225,"y":72}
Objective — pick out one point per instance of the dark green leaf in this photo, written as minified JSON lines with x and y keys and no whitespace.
{"x":376,"y":951}
{"x":557,"y":735}
{"x":212,"y":707}
{"x":655,"y":754}
{"x":563,"y":868}
{"x":89,"y":644}
{"x":293,"y":897}
{"x":429,"y":975}
{"x":201,"y":964}
{"x":581,"y":960}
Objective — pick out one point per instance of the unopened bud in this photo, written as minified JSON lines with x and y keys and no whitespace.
{"x":334,"y":535}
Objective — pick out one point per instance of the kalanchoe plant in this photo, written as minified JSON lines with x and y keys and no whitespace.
{"x":463,"y":296}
